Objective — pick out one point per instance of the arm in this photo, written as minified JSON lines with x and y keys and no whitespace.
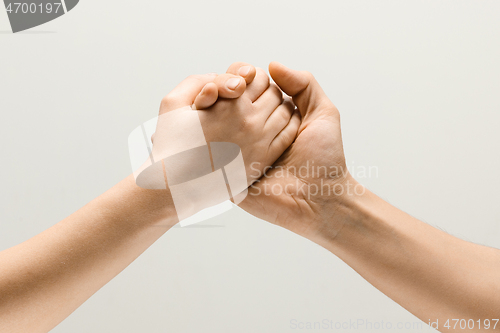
{"x":43,"y":280}
{"x":46,"y":278}
{"x":430,"y":273}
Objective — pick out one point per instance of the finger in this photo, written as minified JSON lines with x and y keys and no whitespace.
{"x":185,"y":93}
{"x":242,"y":69}
{"x":286,"y":137}
{"x":268,"y":101}
{"x":279,"y":118}
{"x":258,"y":85}
{"x":230,"y":86}
{"x":302,"y":86}
{"x":207,"y":97}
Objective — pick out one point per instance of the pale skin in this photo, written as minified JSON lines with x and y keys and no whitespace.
{"x":44,"y":279}
{"x":430,"y":273}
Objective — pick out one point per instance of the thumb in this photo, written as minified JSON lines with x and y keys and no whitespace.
{"x":186,"y":92}
{"x":302,"y":87}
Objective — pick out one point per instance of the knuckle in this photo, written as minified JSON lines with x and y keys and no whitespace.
{"x":285,"y":138}
{"x":221,"y":80}
{"x":236,"y":65}
{"x":165,"y":100}
{"x":192,"y":77}
{"x":261,"y":72}
{"x":168,"y":99}
{"x":247,"y":125}
{"x":286,"y":114}
{"x":195,"y":77}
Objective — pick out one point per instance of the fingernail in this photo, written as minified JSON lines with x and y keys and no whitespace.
{"x":233,"y":83}
{"x":243,"y":71}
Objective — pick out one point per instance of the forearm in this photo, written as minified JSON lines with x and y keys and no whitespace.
{"x":430,"y":273}
{"x":47,"y":277}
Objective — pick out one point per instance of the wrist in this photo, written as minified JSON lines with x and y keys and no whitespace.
{"x":148,"y":207}
{"x":347,"y":210}
{"x":369,"y":230}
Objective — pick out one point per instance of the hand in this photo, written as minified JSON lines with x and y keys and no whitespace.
{"x":202,"y":91}
{"x":296,"y":192}
{"x":309,"y":191}
{"x":229,"y":85}
{"x":259,"y":122}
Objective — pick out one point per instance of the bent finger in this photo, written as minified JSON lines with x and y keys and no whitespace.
{"x":207,"y":97}
{"x":230,"y":86}
{"x":244,"y":70}
{"x":185,"y":93}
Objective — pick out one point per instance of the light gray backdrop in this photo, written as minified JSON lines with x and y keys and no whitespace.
{"x":417,"y":84}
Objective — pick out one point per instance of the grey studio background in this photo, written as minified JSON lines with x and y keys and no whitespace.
{"x":417,"y":84}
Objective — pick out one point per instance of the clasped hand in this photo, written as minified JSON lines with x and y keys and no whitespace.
{"x":289,"y":134}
